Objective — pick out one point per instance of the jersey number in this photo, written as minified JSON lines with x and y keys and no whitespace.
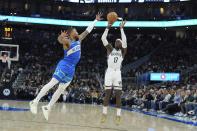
{"x":115,"y":59}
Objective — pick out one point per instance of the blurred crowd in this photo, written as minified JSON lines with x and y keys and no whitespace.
{"x":173,"y":99}
{"x":40,"y":52}
{"x":176,"y":55}
{"x":156,"y":11}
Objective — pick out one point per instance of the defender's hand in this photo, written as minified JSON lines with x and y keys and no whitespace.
{"x":109,"y":25}
{"x":64,"y":34}
{"x":98,"y":16}
{"x":122,"y":24}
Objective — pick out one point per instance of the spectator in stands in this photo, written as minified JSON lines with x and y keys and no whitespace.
{"x":165,"y":101}
{"x":190,"y":99}
{"x":147,"y":98}
{"x":175,"y":106}
{"x":157,"y":99}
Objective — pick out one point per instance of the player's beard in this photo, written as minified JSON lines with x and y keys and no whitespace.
{"x":117,"y":48}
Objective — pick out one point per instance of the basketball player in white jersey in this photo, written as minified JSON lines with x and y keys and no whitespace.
{"x":113,"y":73}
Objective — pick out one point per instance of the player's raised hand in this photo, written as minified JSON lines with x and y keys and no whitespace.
{"x":64,"y":34}
{"x":109,"y":25}
{"x":99,"y":16}
{"x":122,"y":24}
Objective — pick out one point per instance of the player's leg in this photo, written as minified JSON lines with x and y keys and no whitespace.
{"x":46,"y":109}
{"x":106,"y":100}
{"x":108,"y":89}
{"x":105,"y":104}
{"x":33,"y":104}
{"x":118,"y":92}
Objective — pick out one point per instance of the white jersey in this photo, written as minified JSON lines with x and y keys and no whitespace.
{"x":115,"y":59}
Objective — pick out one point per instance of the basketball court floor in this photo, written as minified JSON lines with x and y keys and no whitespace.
{"x":15,"y":116}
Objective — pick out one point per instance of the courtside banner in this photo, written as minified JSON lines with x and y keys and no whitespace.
{"x":164,"y":76}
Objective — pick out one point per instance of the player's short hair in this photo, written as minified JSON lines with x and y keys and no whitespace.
{"x":119,"y":40}
{"x":69,"y":30}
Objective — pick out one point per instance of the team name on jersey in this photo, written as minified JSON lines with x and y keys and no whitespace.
{"x":73,"y":50}
{"x":116,"y":54}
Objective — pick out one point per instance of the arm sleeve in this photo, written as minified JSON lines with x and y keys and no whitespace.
{"x":104,"y":37}
{"x":124,"y":39}
{"x":91,"y":26}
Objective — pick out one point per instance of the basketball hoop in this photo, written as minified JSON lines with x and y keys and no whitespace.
{"x":12,"y":51}
{"x":9,"y":53}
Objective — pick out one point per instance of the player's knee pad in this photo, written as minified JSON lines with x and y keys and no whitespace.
{"x":53,"y":81}
{"x":49,"y":85}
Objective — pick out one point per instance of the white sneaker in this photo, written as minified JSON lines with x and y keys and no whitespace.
{"x":144,"y":110}
{"x":194,"y":118}
{"x":46,"y":112}
{"x":191,"y":112}
{"x":185,"y":115}
{"x":33,"y":107}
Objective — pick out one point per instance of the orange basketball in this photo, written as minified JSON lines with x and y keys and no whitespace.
{"x":112,"y":17}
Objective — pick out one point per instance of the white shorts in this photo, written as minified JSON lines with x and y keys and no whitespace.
{"x":113,"y":79}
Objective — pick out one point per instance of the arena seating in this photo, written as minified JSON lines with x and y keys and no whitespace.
{"x":134,"y":12}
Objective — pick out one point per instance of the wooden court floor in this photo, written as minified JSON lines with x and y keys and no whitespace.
{"x":77,"y":117}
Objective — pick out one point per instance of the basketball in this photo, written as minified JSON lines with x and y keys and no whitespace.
{"x":112,"y":17}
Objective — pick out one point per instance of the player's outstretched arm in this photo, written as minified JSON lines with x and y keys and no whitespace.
{"x":124,"y":38}
{"x":104,"y":39}
{"x":90,"y":27}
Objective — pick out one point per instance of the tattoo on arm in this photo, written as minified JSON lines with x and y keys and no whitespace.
{"x":66,"y":43}
{"x":109,"y":48}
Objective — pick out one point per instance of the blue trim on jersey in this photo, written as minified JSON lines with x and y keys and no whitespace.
{"x":61,"y":76}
